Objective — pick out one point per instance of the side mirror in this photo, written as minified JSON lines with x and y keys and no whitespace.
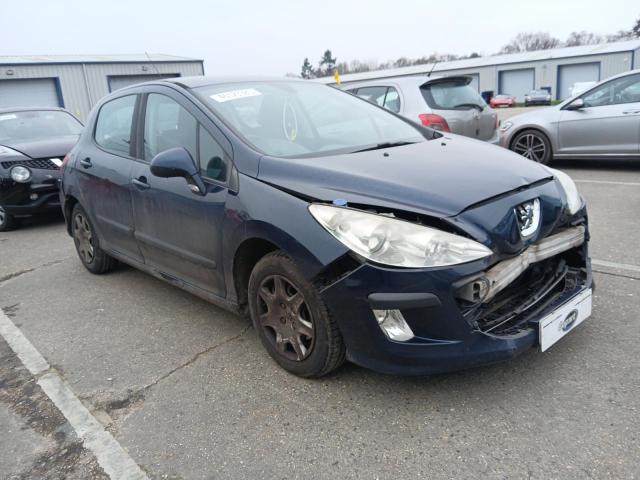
{"x":177,"y":162}
{"x":577,"y":104}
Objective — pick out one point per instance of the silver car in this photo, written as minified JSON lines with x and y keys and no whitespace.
{"x":448,"y":104}
{"x":603,"y":122}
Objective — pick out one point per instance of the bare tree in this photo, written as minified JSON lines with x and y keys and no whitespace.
{"x":584,"y":38}
{"x":531,"y":41}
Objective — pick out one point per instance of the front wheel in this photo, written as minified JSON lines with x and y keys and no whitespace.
{"x":7,"y":221}
{"x":533,"y":145}
{"x":292,"y":321}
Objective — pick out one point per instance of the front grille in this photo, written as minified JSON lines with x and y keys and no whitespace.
{"x":37,"y":163}
{"x":538,"y":289}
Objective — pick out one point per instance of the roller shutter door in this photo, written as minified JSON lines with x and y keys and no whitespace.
{"x":121,"y":81}
{"x":29,"y":92}
{"x":516,"y":82}
{"x":570,"y":74}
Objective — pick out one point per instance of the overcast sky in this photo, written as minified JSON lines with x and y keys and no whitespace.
{"x":273,"y":37}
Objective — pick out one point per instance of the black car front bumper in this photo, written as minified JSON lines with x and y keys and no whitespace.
{"x":31,"y":198}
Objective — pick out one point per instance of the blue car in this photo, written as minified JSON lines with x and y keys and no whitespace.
{"x":343,"y":230}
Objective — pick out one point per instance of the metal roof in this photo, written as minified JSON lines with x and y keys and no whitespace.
{"x":469,"y":63}
{"x":126,"y":58}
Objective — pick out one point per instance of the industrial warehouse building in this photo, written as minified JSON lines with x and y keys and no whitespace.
{"x":515,"y":74}
{"x":77,"y":82}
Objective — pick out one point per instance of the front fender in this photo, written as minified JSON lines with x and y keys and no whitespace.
{"x":268,"y":213}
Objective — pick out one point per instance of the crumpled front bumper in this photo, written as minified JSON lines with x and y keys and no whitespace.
{"x":444,"y":339}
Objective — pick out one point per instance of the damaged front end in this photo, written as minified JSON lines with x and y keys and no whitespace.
{"x":503,"y":299}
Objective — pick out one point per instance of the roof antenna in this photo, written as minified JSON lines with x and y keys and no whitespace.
{"x":152,"y":64}
{"x":432,"y":68}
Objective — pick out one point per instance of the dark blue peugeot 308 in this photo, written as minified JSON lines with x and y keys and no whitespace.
{"x":343,"y":230}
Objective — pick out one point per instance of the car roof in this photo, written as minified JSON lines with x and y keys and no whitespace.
{"x":412,"y":80}
{"x":201,"y":81}
{"x":31,"y":109}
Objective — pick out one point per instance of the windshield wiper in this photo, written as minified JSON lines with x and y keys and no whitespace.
{"x":472,"y":105}
{"x":379,"y":146}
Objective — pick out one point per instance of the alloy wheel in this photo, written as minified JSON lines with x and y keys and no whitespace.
{"x":83,"y":237}
{"x":531,"y":146}
{"x":285,"y":317}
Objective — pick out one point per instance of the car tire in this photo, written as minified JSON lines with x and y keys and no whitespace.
{"x":292,"y":322}
{"x":7,"y":221}
{"x":87,"y":243}
{"x":534,"y":145}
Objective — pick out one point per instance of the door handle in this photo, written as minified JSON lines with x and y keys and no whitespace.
{"x":631,"y":112}
{"x":86,"y":162}
{"x":141,"y":183}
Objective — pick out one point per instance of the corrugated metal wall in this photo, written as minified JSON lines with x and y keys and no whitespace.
{"x":79,"y":95}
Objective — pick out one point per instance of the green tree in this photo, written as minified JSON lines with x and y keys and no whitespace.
{"x":307,"y":69}
{"x":327,"y":64}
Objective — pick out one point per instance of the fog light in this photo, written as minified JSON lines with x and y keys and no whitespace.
{"x":33,"y":196}
{"x":393,"y":325}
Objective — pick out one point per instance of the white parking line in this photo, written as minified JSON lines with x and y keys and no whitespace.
{"x":113,"y":459}
{"x":609,"y":182}
{"x":619,"y":266}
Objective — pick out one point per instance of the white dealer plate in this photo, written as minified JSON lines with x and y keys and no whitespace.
{"x":557,"y":324}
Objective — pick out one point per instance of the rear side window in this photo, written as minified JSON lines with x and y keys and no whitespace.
{"x":386,"y":97}
{"x":113,"y":126}
{"x":168,"y":125}
{"x":453,"y":94}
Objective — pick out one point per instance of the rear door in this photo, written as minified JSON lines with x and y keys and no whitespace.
{"x":461,"y":106}
{"x":180,"y":232}
{"x":609,"y":123}
{"x":104,"y":166}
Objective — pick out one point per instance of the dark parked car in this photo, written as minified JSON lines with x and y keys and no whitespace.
{"x":342,"y":229}
{"x":33,"y":143}
{"x":537,"y":97}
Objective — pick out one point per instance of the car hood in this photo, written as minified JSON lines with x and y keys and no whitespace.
{"x":44,"y":147}
{"x":537,"y":116}
{"x":440,"y":177}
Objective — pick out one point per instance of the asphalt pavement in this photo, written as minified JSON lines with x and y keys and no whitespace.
{"x":188,"y":392}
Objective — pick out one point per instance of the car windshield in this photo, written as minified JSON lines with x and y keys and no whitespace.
{"x":452,"y":94}
{"x":538,"y":92}
{"x":304,"y":119}
{"x":502,"y":97}
{"x":37,"y":124}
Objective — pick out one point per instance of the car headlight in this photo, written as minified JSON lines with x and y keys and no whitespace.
{"x":574,"y":201}
{"x":391,"y":241}
{"x":506,"y":126}
{"x":20,"y":174}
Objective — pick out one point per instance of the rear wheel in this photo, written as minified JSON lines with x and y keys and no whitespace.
{"x":7,"y":221}
{"x":533,"y":145}
{"x":292,"y":321}
{"x":87,"y":244}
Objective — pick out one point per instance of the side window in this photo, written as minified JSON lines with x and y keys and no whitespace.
{"x":373,"y":94}
{"x":168,"y":125}
{"x":618,"y":91}
{"x":392,"y":100}
{"x":211,"y":156}
{"x":113,"y":126}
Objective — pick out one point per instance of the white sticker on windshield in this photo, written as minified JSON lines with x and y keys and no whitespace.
{"x":7,"y":116}
{"x":235,"y":95}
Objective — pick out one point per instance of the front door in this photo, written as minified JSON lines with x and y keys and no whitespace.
{"x":608,"y":124}
{"x":104,"y":167}
{"x":180,"y":232}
